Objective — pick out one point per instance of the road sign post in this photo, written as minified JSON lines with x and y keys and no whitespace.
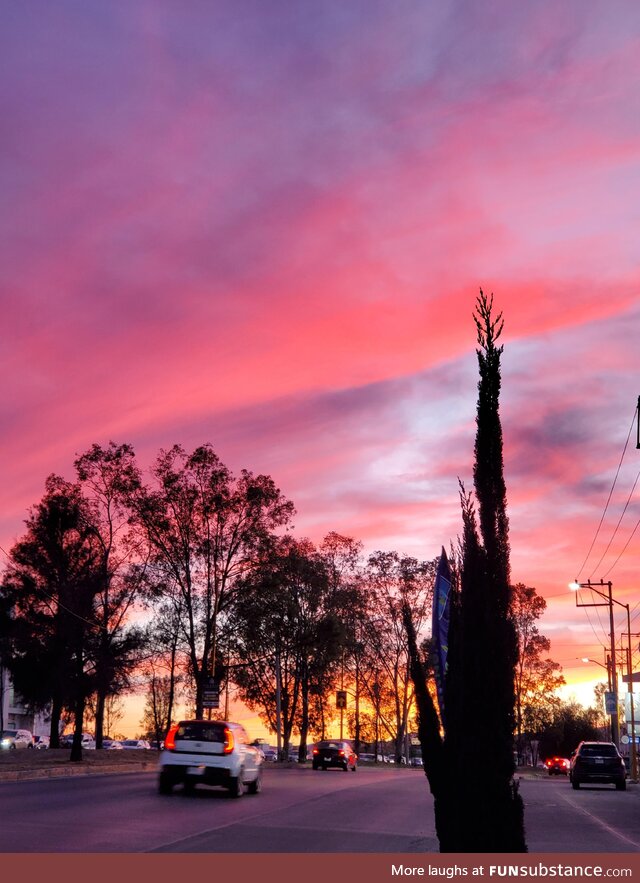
{"x":211,"y":693}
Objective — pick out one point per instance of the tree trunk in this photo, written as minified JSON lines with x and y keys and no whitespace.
{"x":101,"y":700}
{"x":54,"y":729}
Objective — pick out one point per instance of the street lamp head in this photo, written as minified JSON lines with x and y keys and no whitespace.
{"x":574,"y":586}
{"x":585,"y":659}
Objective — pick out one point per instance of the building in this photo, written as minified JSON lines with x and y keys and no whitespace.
{"x":14,"y":714}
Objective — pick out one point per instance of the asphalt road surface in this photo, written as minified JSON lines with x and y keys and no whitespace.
{"x":298,"y":811}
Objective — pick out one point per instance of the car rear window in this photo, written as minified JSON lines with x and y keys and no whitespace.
{"x":598,"y":751}
{"x":201,"y":732}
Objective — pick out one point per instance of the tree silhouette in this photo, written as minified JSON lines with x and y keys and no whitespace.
{"x":477,"y":805}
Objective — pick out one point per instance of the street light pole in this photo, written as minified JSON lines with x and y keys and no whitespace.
{"x":607,"y":667}
{"x":614,"y":675}
{"x":609,"y":601}
{"x":634,"y":749}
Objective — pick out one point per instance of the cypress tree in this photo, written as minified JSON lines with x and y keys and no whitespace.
{"x":477,"y":805}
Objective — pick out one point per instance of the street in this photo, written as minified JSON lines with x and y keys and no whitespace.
{"x":298,"y":811}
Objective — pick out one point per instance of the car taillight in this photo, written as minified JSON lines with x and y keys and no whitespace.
{"x":228,"y":741}
{"x":170,"y":740}
{"x":341,"y":753}
{"x":315,"y":751}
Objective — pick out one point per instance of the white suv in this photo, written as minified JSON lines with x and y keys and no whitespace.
{"x":210,"y":753}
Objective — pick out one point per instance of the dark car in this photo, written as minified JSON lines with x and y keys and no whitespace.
{"x":557,"y":766}
{"x":331,"y":753}
{"x":598,"y":762}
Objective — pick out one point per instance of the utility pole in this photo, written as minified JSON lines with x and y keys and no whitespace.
{"x":632,"y":710}
{"x":609,"y":601}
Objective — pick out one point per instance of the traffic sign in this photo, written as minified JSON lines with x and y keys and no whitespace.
{"x":610,"y":702}
{"x":211,"y":693}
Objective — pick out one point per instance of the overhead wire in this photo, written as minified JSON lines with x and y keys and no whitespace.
{"x":615,"y":531}
{"x":624,"y":450}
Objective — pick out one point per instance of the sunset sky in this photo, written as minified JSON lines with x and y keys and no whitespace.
{"x":264,"y":225}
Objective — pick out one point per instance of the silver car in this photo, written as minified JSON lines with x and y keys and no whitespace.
{"x":12,"y":739}
{"x":210,"y":753}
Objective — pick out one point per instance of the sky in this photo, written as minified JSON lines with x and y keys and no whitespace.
{"x":265,"y":225}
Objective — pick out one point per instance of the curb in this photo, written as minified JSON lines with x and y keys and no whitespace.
{"x":72,"y":770}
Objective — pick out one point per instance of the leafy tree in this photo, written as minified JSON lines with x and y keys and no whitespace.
{"x":288,"y":638}
{"x":476,"y":812}
{"x":205,"y":529}
{"x":390,"y":582}
{"x":109,"y":478}
{"x":600,"y":717}
{"x":158,"y":708}
{"x":537,"y":679}
{"x":571,"y":723}
{"x":161,"y":668}
{"x":49,"y":593}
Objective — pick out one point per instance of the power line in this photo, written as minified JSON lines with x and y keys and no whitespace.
{"x":624,"y":549}
{"x":616,"y":531}
{"x":624,"y":450}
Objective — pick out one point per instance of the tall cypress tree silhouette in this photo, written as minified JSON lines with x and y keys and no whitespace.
{"x":470,"y":769}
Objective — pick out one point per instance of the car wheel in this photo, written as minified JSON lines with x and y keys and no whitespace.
{"x":345,"y":767}
{"x":255,"y":787}
{"x":575,"y":784}
{"x":164,"y":784}
{"x":236,"y":786}
{"x":189,"y":786}
{"x":355,"y":767}
{"x":621,"y":786}
{"x":315,"y":766}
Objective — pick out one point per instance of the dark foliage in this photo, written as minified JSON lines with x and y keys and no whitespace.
{"x":477,"y":805}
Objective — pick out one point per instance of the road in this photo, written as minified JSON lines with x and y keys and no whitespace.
{"x":298,"y":811}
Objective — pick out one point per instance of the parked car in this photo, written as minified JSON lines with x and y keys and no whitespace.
{"x":88,"y":741}
{"x":135,"y":744}
{"x":112,"y":744}
{"x":557,"y":766}
{"x":13,"y":739}
{"x":334,"y":754}
{"x":210,"y":753}
{"x":365,"y":757}
{"x":41,"y":742}
{"x":598,"y":762}
{"x":269,"y":753}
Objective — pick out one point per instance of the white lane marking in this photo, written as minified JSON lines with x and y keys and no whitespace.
{"x":599,"y":822}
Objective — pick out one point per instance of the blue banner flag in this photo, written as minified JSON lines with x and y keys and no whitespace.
{"x":440,"y":627}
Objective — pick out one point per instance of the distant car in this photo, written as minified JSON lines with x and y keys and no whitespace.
{"x":365,"y":757}
{"x":41,"y":742}
{"x":210,"y":753}
{"x":88,"y":741}
{"x":112,"y":745}
{"x":135,"y":744}
{"x":557,"y":766}
{"x":417,"y":762}
{"x":331,"y":753}
{"x":269,"y":753}
{"x":598,"y":762}
{"x":13,"y":739}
